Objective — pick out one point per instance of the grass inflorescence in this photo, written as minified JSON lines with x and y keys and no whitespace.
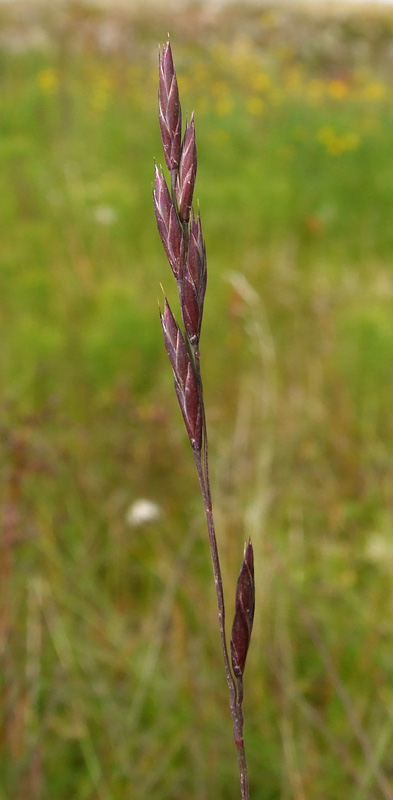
{"x":97,"y":631}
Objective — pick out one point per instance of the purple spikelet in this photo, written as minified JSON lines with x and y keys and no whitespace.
{"x":184,"y":376}
{"x":187,"y":172}
{"x":244,"y":612}
{"x":194,"y":282}
{"x":169,"y":110}
{"x":168,"y":223}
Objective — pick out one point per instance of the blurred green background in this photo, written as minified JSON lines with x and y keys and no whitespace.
{"x":111,"y":678}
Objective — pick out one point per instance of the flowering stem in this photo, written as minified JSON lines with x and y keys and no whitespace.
{"x":181,"y":235}
{"x":235,"y":690}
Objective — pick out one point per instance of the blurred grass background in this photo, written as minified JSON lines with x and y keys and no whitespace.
{"x":111,"y":678}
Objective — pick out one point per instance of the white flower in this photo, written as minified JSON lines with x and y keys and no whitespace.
{"x":379,"y":549}
{"x":142,"y":511}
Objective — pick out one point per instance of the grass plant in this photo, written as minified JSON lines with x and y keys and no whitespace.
{"x":181,"y":235}
{"x":99,"y":621}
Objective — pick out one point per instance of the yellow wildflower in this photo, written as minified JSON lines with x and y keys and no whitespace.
{"x":100,"y":93}
{"x":48,"y":80}
{"x":224,"y":105}
{"x":374,"y":90}
{"x":255,"y":105}
{"x":260,"y":82}
{"x":337,"y":89}
{"x":336,"y":144}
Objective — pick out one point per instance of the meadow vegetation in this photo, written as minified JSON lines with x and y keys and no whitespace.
{"x":111,"y":684}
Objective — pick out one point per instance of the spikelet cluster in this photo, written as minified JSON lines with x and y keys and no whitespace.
{"x":180,"y":230}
